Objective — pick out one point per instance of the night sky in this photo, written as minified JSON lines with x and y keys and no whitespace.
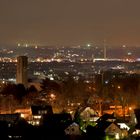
{"x":70,"y":22}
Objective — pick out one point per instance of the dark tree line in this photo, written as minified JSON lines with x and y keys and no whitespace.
{"x":123,"y":91}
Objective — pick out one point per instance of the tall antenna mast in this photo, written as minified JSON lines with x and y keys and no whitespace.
{"x":105,"y":56}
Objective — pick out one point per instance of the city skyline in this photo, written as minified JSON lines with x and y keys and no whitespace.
{"x":70,"y":22}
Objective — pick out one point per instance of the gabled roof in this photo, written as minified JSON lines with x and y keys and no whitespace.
{"x":70,"y":129}
{"x":102,"y":125}
{"x":74,"y":124}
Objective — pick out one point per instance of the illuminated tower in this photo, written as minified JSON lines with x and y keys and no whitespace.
{"x":104,"y":52}
{"x":21,"y":76}
{"x":105,"y":56}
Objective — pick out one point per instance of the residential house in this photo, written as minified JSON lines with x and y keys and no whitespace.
{"x":38,"y":112}
{"x":73,"y":129}
{"x":111,"y":129}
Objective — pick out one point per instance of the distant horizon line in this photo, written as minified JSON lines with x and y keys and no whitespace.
{"x":88,"y":45}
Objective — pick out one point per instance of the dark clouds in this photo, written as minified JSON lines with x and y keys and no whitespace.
{"x":70,"y":21}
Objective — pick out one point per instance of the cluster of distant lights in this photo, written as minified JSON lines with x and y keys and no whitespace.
{"x":53,"y":59}
{"x":26,"y":45}
{"x":7,"y":59}
{"x":36,"y":46}
{"x":41,"y":60}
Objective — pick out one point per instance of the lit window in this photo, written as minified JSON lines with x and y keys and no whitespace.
{"x":117,"y":136}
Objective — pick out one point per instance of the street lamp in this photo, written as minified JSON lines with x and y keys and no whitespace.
{"x":52,"y":96}
{"x":119,"y":87}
